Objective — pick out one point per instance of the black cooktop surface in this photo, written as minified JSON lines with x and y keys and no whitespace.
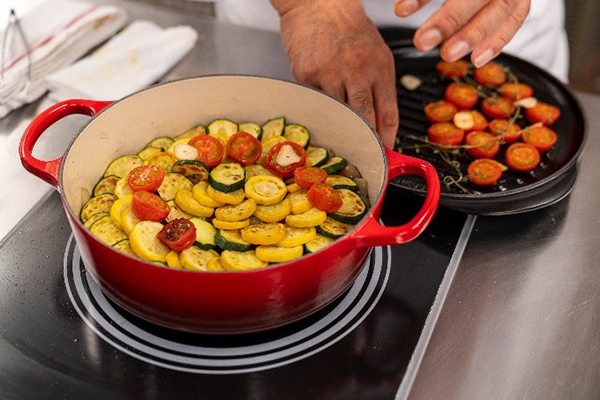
{"x":62,"y":339}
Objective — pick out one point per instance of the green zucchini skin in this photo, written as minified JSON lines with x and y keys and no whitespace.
{"x":298,"y":134}
{"x":359,"y":209}
{"x":106,"y":185}
{"x":252,"y":128}
{"x":334,"y":165}
{"x":341,"y":182}
{"x":223,"y":126}
{"x":205,"y":234}
{"x":161,"y":142}
{"x":316,"y":156}
{"x":333,"y":228}
{"x":227,"y":178}
{"x":121,"y":166}
{"x":195,"y":171}
{"x":229,"y":245}
{"x":317,"y":244}
{"x":273,"y":127}
{"x":97,"y":205}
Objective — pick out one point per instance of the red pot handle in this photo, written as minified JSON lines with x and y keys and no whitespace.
{"x":48,"y":170}
{"x":373,"y":233}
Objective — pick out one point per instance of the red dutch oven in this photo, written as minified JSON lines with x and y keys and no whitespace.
{"x":223,"y":302}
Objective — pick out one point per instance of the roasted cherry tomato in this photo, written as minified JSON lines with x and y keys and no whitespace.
{"x":440,"y":111}
{"x":484,"y":144}
{"x":547,"y":114}
{"x":210,"y":149}
{"x":305,"y":177}
{"x":480,"y":122}
{"x":445,"y":134}
{"x":324,"y":198}
{"x":516,"y":91}
{"x":147,"y":178}
{"x":490,"y":75}
{"x":485,"y":171}
{"x":457,"y":69}
{"x":540,"y":137}
{"x":462,"y":95}
{"x":510,"y":132}
{"x":149,"y":207}
{"x":498,"y":107}
{"x":284,"y":158}
{"x":522,"y":157}
{"x":178,"y":234}
{"x":244,"y":148}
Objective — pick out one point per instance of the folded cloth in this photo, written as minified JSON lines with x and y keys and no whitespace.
{"x":135,"y":58}
{"x":57,"y":32}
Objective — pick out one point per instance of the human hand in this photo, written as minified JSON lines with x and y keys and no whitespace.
{"x":333,"y":46}
{"x":481,"y":26}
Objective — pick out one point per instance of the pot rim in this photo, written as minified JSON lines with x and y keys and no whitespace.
{"x":339,"y":240}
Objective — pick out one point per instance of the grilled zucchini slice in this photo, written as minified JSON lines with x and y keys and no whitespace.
{"x":265,"y":190}
{"x":231,"y":240}
{"x":88,"y":224}
{"x":273,"y":127}
{"x":297,"y":134}
{"x":195,"y":259}
{"x":263,"y":233}
{"x":312,"y":217}
{"x":123,"y":165}
{"x":227,"y":177}
{"x":222,"y":129}
{"x":274,"y":213}
{"x":172,"y":184}
{"x":122,"y":188}
{"x":234,"y":213}
{"x":334,"y":165}
{"x":205,"y":234}
{"x":97,"y":205}
{"x":106,"y":185}
{"x":252,"y":128}
{"x":318,"y":243}
{"x":236,"y":261}
{"x":186,"y":201}
{"x":230,"y":226}
{"x":162,"y":159}
{"x":341,"y":182}
{"x":297,"y":236}
{"x":226,"y":198}
{"x":176,"y":212}
{"x":190,"y":133}
{"x":333,"y":228}
{"x":125,"y":247}
{"x":162,"y":142}
{"x":105,"y":230}
{"x":316,"y":156}
{"x":145,"y":243}
{"x":148,"y":151}
{"x":195,"y":171}
{"x":352,"y":209}
{"x":278,"y":254}
{"x":256,"y":170}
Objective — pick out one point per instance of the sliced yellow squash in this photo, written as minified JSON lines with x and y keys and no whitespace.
{"x":227,"y":198}
{"x":128,"y":220}
{"x":215,"y":265}
{"x":299,"y":200}
{"x":238,"y":261}
{"x":278,"y":254}
{"x":297,"y":236}
{"x":200,"y":192}
{"x":105,"y":230}
{"x":176,"y":212}
{"x":122,"y":188}
{"x":234,"y":213}
{"x":312,"y":217}
{"x":145,"y":244}
{"x":162,"y":159}
{"x":265,"y":190}
{"x":186,"y":201}
{"x":171,"y":147}
{"x":293,"y":188}
{"x":172,"y":184}
{"x":274,"y":213}
{"x":116,"y":211}
{"x":263,"y":233}
{"x":230,"y":226}
{"x":195,"y":259}
{"x":173,"y":260}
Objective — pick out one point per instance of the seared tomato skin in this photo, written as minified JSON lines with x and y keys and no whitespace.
{"x":462,"y":95}
{"x":481,"y":123}
{"x":510,"y":132}
{"x":305,"y":177}
{"x":486,"y":145}
{"x":516,"y":91}
{"x":149,"y":207}
{"x":287,"y":171}
{"x":449,"y":70}
{"x":178,"y":234}
{"x":522,"y":157}
{"x":545,"y":113}
{"x":498,"y":107}
{"x":445,"y":134}
{"x":490,"y":74}
{"x":540,"y":137}
{"x":147,"y":178}
{"x":210,"y":149}
{"x":244,"y":148}
{"x":485,"y":171}
{"x":324,"y":198}
{"x":440,"y":111}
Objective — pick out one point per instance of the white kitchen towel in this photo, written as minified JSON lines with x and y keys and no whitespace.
{"x":132,"y":60}
{"x":58,"y":32}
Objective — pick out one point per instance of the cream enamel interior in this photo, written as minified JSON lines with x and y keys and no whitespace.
{"x":170,"y":109}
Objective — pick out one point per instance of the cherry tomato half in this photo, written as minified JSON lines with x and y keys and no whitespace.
{"x":305,"y":177}
{"x":445,"y":134}
{"x":324,"y":198}
{"x":485,"y":171}
{"x":498,"y":107}
{"x":462,"y":95}
{"x":440,"y":111}
{"x":457,"y":69}
{"x":210,"y":149}
{"x":490,"y":75}
{"x":147,"y":178}
{"x":522,"y":157}
{"x":510,"y":132}
{"x":244,"y":148}
{"x":480,"y":122}
{"x":516,"y":91}
{"x":293,"y":150}
{"x":544,"y":113}
{"x":149,"y":207}
{"x":540,"y":137}
{"x":178,"y":234}
{"x":485,"y":144}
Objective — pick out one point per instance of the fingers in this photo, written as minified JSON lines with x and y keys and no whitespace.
{"x":360,"y":98}
{"x":404,"y":8}
{"x":335,"y":88}
{"x":386,"y":106}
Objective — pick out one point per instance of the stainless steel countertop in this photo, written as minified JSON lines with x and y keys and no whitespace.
{"x":522,"y":316}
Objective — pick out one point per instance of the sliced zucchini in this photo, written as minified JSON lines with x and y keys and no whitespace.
{"x":148,"y":151}
{"x":222,"y":128}
{"x":256,"y":170}
{"x":334,"y":165}
{"x":215,"y":265}
{"x":205,"y":234}
{"x":128,"y":220}
{"x":195,"y":171}
{"x":352,"y":209}
{"x":123,"y":165}
{"x":122,"y":188}
{"x":125,"y":247}
{"x":97,"y":205}
{"x":312,"y":217}
{"x":172,"y":184}
{"x":278,"y":254}
{"x":252,"y":128}
{"x":173,"y":260}
{"x":195,"y":259}
{"x":116,"y":211}
{"x":190,"y":133}
{"x":105,"y":230}
{"x":297,"y":134}
{"x":267,"y":145}
{"x":145,"y":244}
{"x":227,"y":177}
{"x":200,"y":192}
{"x":299,"y":201}
{"x":238,"y":212}
{"x":318,"y":243}
{"x":274,"y":213}
{"x":106,"y":185}
{"x":273,"y":127}
{"x":236,"y":261}
{"x":230,"y":226}
{"x":297,"y":236}
{"x":263,"y":233}
{"x":88,"y":224}
{"x":176,"y":212}
{"x":265,"y":190}
{"x":186,"y":201}
{"x":161,"y":142}
{"x":334,"y":229}
{"x":341,"y":182}
{"x":227,"y":198}
{"x":162,"y":159}
{"x":316,"y":156}
{"x":231,"y":240}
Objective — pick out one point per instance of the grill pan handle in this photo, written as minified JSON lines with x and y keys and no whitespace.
{"x":49,"y":170}
{"x":372,"y":233}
